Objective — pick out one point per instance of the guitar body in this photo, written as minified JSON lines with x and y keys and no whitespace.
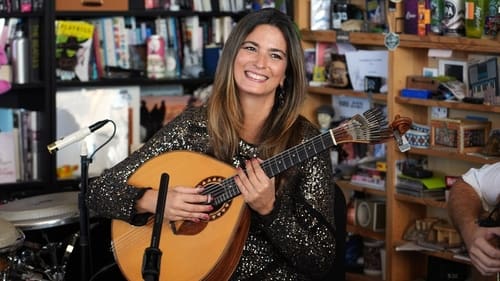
{"x":196,"y":251}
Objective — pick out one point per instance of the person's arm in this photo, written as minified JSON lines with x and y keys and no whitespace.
{"x":110,"y":196}
{"x":464,"y":208}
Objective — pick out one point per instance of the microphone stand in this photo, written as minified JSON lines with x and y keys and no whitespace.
{"x":86,"y":265}
{"x":151,"y":261}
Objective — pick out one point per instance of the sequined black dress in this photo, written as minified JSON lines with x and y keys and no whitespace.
{"x":295,"y":242}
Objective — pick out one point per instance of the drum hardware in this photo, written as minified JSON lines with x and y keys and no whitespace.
{"x":47,"y":226}
{"x":11,"y":238}
{"x":39,"y":258}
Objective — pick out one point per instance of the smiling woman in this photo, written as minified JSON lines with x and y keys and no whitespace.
{"x":275,"y":225}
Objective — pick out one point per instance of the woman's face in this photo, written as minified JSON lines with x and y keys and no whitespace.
{"x":260,"y":64}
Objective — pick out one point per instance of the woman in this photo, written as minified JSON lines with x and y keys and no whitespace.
{"x":252,"y":114}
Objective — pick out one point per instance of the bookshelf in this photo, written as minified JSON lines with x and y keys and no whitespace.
{"x":40,"y":95}
{"x":407,"y":59}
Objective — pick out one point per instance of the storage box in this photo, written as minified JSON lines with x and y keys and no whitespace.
{"x":422,"y":82}
{"x":416,"y":93}
{"x":459,"y":135}
{"x":92,"y":5}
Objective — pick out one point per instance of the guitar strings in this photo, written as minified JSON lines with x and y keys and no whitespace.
{"x":131,"y":236}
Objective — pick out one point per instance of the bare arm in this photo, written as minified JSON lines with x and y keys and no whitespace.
{"x":464,"y":208}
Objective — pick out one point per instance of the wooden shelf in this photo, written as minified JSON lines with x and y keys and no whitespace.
{"x":357,"y":38}
{"x":423,"y":201}
{"x":447,"y":255}
{"x":445,"y":153}
{"x":408,"y":41}
{"x":449,"y":43}
{"x":350,"y":276}
{"x":143,"y":81}
{"x":345,"y":184}
{"x":449,"y":104}
{"x":346,"y":92}
{"x":365,"y":232}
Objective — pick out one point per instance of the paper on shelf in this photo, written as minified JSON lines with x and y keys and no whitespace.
{"x":366,"y":63}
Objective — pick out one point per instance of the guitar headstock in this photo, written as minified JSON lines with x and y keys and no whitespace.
{"x":370,"y":127}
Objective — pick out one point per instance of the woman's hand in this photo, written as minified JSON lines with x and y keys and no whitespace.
{"x":257,"y":188}
{"x":186,"y":203}
{"x":183,"y":203}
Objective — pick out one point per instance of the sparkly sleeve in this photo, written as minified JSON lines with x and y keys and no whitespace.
{"x":110,"y":196}
{"x":301,"y":225}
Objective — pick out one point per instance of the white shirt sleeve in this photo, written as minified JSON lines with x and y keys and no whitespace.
{"x":486,"y":182}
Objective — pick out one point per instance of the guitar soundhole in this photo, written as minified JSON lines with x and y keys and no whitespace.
{"x":213,"y":187}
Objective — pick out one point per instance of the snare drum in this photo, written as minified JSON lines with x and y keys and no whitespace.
{"x":43,"y":211}
{"x":11,"y":239}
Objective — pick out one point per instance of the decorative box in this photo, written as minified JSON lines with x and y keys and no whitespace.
{"x":459,"y":135}
{"x":419,"y":135}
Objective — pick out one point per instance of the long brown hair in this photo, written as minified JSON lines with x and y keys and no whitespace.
{"x":225,"y":116}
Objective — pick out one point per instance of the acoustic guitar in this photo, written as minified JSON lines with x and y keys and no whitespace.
{"x":211,"y":250}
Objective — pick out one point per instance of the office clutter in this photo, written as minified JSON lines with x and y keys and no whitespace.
{"x":433,"y":233}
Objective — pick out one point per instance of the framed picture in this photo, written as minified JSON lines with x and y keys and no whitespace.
{"x":454,"y":68}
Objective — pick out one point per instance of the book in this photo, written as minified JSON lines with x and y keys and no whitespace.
{"x":120,"y":38}
{"x":438,"y":194}
{"x":73,"y":46}
{"x":434,"y":182}
{"x":7,"y":158}
{"x":98,"y":48}
{"x":33,"y":33}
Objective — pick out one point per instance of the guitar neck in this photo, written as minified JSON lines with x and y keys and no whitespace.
{"x":282,"y":161}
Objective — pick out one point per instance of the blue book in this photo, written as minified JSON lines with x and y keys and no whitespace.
{"x":6,"y":120}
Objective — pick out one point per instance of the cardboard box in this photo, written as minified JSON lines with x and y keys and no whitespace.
{"x":92,"y":5}
{"x":459,"y":135}
{"x":422,"y":82}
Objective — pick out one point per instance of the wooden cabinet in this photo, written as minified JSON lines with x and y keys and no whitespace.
{"x":408,"y":58}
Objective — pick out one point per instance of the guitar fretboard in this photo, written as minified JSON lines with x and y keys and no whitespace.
{"x":277,"y":164}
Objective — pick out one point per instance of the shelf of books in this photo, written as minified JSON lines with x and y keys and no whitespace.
{"x":122,"y":46}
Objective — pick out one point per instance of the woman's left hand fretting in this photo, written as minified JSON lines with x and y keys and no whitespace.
{"x":257,"y":188}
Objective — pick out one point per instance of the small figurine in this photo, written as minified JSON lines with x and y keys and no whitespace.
{"x":324,"y":115}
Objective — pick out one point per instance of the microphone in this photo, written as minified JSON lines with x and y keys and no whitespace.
{"x":76,"y":136}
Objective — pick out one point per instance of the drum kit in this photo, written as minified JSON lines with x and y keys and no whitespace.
{"x":27,"y":249}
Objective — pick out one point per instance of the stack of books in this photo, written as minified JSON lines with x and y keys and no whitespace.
{"x":433,"y":187}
